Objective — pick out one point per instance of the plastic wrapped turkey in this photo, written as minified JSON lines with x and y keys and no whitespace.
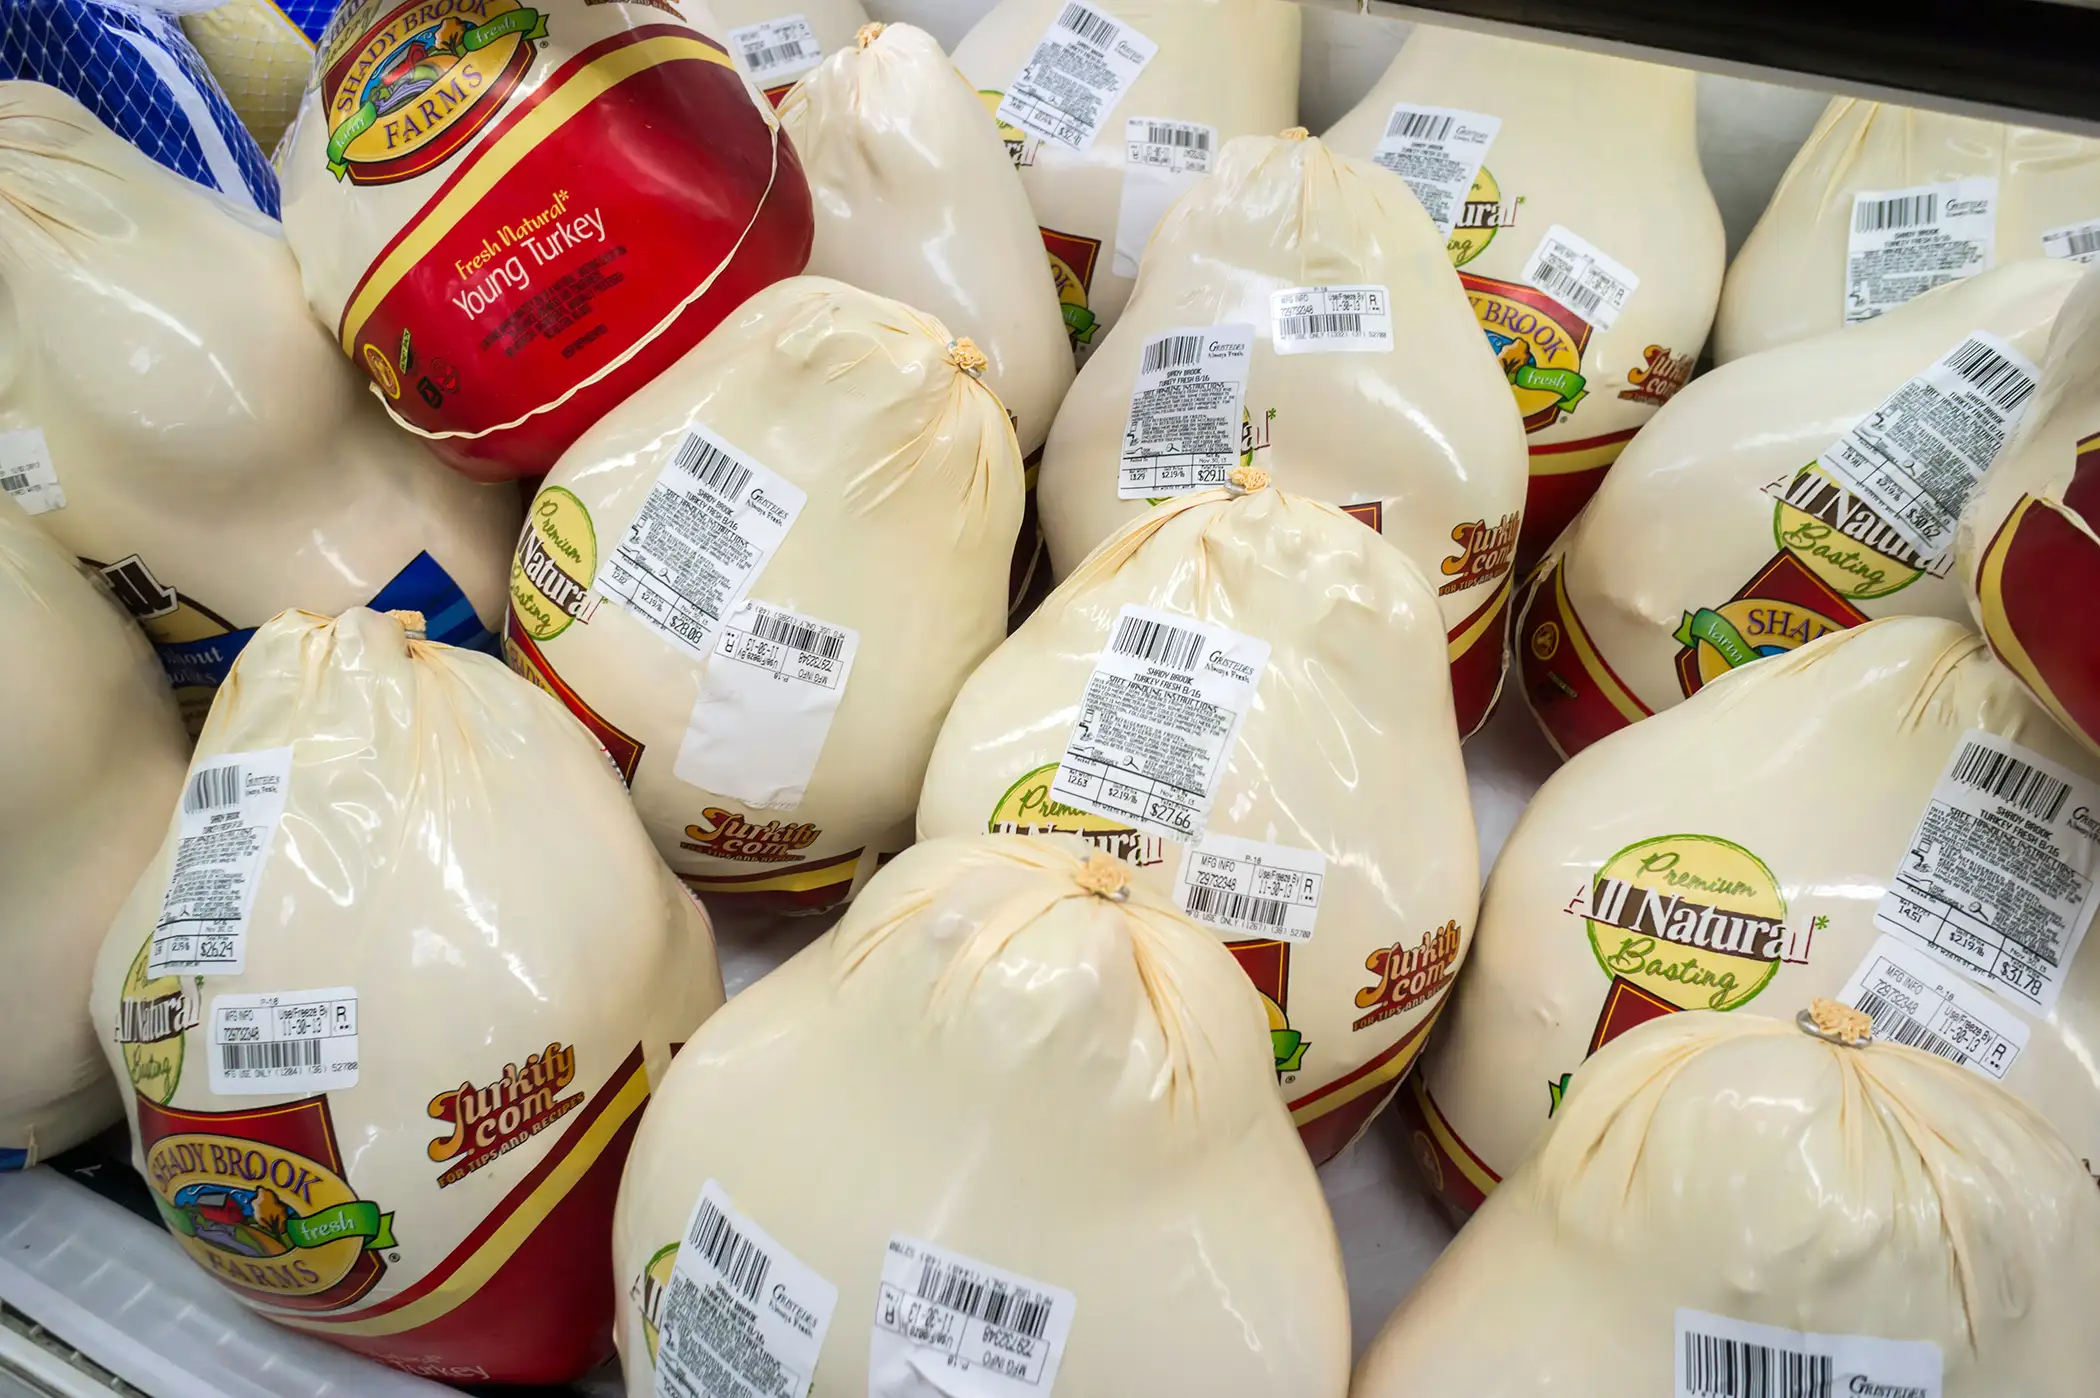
{"x":1884,"y":202}
{"x":915,"y":199}
{"x":261,"y":52}
{"x":1782,"y":497}
{"x":777,"y":41}
{"x":1241,"y":696}
{"x":1297,"y":314}
{"x":761,"y":580}
{"x":2028,"y":547}
{"x":513,"y":216}
{"x":388,"y":1002}
{"x":1568,"y":186}
{"x":1881,"y":816}
{"x":178,"y":421}
{"x":1738,"y":1205}
{"x":94,"y":755}
{"x":1114,"y":112}
{"x":1094,"y":1191}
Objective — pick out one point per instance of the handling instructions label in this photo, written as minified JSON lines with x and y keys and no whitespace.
{"x":1720,"y":1357}
{"x":286,"y":1042}
{"x":973,"y":1330}
{"x":741,"y":1316}
{"x":1439,"y":152}
{"x":227,"y":821}
{"x":1162,"y":160}
{"x":1250,"y":888}
{"x":1906,"y":241}
{"x":1075,"y":75}
{"x":766,"y":703}
{"x":1183,"y":432}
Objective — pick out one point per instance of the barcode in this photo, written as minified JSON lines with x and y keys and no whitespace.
{"x":1894,"y":1024}
{"x":213,"y":787}
{"x":1245,"y":908}
{"x":280,"y":1053}
{"x":1313,"y":326}
{"x":1718,"y":1368}
{"x":740,"y":1262}
{"x":1557,"y":279}
{"x":2008,"y":779}
{"x":1157,"y":642}
{"x":798,"y":635}
{"x":980,"y":1298}
{"x":1193,"y":137}
{"x":773,"y":54}
{"x":148,"y":1021}
{"x":2077,"y":242}
{"x":15,"y":484}
{"x":718,"y":472}
{"x":1903,"y":211}
{"x":1089,"y":26}
{"x":2005,"y":383}
{"x":1418,"y":126}
{"x":1172,"y":352}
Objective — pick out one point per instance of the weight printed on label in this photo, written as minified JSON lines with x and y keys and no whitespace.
{"x":986,"y":1332}
{"x":704,"y":533}
{"x":1158,"y":720}
{"x":1183,"y":432}
{"x":1251,"y":888}
{"x":227,"y":821}
{"x":1918,"y":1001}
{"x":1331,"y":320}
{"x":1720,"y":1357}
{"x":775,"y":50}
{"x":1439,"y":152}
{"x":1906,"y":241}
{"x":1916,"y":458}
{"x":27,"y":473}
{"x":741,"y":1316}
{"x":1163,"y":160}
{"x":2078,"y":241}
{"x":289,"y":1041}
{"x":1999,"y":881}
{"x":1075,"y":75}
{"x":767,"y":699}
{"x":1577,"y":274}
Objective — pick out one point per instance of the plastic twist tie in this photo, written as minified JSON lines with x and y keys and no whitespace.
{"x":869,"y":33}
{"x":964,"y":355}
{"x":1294,"y":133}
{"x":1104,"y":876}
{"x":1835,"y":1022}
{"x":412,"y":623}
{"x":1247,"y":478}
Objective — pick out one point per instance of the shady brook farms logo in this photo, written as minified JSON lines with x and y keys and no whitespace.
{"x":1841,"y":538}
{"x":415,"y":87}
{"x":1782,"y":608}
{"x":1484,"y":554}
{"x":1693,"y":921}
{"x":1405,"y":977}
{"x":555,"y":564}
{"x":490,"y":1122}
{"x":1539,"y":344}
{"x":728,"y":834}
{"x":1027,"y":809}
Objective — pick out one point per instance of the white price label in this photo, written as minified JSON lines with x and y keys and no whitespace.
{"x":951,"y":1324}
{"x":1331,"y":320}
{"x":1158,"y":720}
{"x":1251,"y":889}
{"x":1720,"y":1357}
{"x":1075,"y":75}
{"x":1999,"y":878}
{"x":1163,"y":160}
{"x":1183,"y":432}
{"x":741,"y":1316}
{"x":766,"y":703}
{"x":287,"y":1042}
{"x":1906,"y":241}
{"x":2078,"y":241}
{"x":1916,"y":1000}
{"x":1577,"y":274}
{"x":27,"y":473}
{"x":1438,"y":151}
{"x":704,"y":533}
{"x":228,"y":819}
{"x":775,"y":50}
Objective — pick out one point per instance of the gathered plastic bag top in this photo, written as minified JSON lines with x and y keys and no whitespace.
{"x":1881,"y":816}
{"x":388,"y":1002}
{"x":1780,"y":498}
{"x":94,"y":754}
{"x":174,"y":417}
{"x":799,"y":538}
{"x":2029,"y":544}
{"x":1568,"y":186}
{"x":262,"y":52}
{"x":1243,"y":698}
{"x":916,"y":199}
{"x":1728,"y":1205}
{"x":1011,"y":1099}
{"x":512,"y":216}
{"x":1885,"y":202}
{"x":777,"y":41}
{"x":1297,"y":313}
{"x":1112,"y":112}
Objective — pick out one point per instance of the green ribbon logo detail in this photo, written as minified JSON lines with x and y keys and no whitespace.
{"x":1717,"y":631}
{"x":360,"y":1218}
{"x":530,"y":23}
{"x":1566,"y":384}
{"x":1290,"y":1049}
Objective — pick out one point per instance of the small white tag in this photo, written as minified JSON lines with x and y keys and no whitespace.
{"x":1251,"y":889}
{"x":1999,"y":881}
{"x":1163,"y":160}
{"x":229,"y":817}
{"x":1158,"y":719}
{"x":704,"y":533}
{"x":290,"y":1041}
{"x":1331,"y":319}
{"x":26,"y":471}
{"x":1918,"y":1001}
{"x":1915,"y":458}
{"x":1906,"y":241}
{"x":950,"y":1324}
{"x":1438,"y":151}
{"x":1577,"y":274}
{"x":1183,"y":432}
{"x":2078,"y":241}
{"x":742,"y":1317}
{"x":774,"y":50}
{"x":1078,"y":71}
{"x":1718,"y":1357}
{"x":766,"y":702}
